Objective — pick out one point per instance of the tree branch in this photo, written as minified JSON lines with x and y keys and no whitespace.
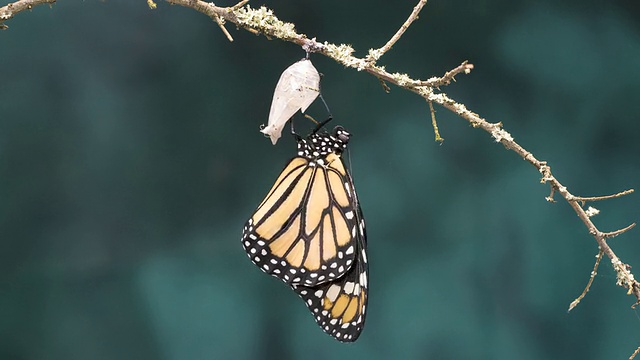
{"x":9,"y":11}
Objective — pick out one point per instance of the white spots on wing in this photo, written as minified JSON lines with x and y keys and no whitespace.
{"x":349,"y":286}
{"x":356,"y":290}
{"x":363,"y":279}
{"x":333,"y":292}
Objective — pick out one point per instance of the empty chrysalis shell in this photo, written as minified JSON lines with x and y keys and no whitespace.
{"x":298,"y":87}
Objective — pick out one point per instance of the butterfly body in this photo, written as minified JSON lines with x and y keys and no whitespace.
{"x":309,"y":233}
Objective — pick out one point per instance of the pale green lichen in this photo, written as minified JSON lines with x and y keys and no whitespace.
{"x":426,"y":92}
{"x":343,"y":54}
{"x":263,"y":19}
{"x":501,"y":134}
{"x":591,"y":211}
{"x":403,"y":79}
{"x":375,"y":54}
{"x":623,"y":277}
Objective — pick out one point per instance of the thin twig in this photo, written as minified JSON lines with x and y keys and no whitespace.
{"x":618,"y":232}
{"x":434,"y":123}
{"x":376,"y":54}
{"x":606,"y":197}
{"x":594,"y":272}
{"x":449,"y":76}
{"x":9,"y":11}
{"x":220,"y":22}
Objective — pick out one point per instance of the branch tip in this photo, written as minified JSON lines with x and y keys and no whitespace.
{"x":594,"y":272}
{"x":434,"y":123}
{"x":449,"y":76}
{"x":605,"y":197}
{"x":618,"y":232}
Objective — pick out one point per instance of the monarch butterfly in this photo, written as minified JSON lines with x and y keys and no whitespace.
{"x":298,"y":87}
{"x":309,"y":232}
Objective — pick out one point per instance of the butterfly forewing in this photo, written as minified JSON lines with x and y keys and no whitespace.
{"x":303,"y":231}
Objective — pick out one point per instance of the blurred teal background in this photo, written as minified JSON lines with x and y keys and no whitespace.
{"x":130,"y":159}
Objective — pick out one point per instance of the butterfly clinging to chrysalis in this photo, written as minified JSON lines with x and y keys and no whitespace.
{"x":309,"y":232}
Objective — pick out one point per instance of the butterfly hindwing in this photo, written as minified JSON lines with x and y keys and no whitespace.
{"x":339,"y":307}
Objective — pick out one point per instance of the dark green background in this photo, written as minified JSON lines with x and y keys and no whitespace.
{"x":130,"y":159}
